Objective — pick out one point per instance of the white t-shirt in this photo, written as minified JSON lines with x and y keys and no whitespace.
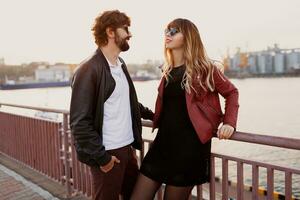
{"x":117,"y":123}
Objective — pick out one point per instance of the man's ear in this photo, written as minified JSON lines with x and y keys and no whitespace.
{"x":110,"y":32}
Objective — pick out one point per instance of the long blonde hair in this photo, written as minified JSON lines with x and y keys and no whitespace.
{"x":196,"y":61}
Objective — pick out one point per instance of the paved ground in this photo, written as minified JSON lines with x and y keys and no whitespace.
{"x":19,"y":182}
{"x":15,"y":187}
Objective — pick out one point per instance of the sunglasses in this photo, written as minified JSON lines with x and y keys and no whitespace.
{"x":171,"y":31}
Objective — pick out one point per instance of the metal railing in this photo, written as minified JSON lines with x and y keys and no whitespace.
{"x":46,"y":146}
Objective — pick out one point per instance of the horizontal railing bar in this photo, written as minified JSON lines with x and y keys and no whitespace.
{"x":260,"y":164}
{"x":290,"y":143}
{"x":31,"y":118}
{"x":36,"y":108}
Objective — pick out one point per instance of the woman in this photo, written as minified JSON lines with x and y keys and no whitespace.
{"x":187,"y":115}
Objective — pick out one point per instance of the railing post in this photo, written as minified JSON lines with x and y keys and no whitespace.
{"x":270,"y":183}
{"x":66,"y":145}
{"x":288,"y":185}
{"x":240,"y":180}
{"x":199,"y":192}
{"x":224,"y":179}
{"x":212,"y":186}
{"x":255,"y":181}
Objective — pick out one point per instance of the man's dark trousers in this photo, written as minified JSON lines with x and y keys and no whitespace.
{"x":119,"y":180}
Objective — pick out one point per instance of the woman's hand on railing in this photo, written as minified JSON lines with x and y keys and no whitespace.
{"x":225,"y":132}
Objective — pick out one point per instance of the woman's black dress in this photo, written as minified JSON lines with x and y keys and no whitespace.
{"x":177,"y":156}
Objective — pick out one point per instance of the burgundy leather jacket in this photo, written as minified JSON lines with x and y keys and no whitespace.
{"x":204,"y":107}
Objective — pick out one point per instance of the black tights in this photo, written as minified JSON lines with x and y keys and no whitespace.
{"x":145,"y":189}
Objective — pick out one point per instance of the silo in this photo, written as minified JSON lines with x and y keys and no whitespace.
{"x":252,"y":61}
{"x":261,"y":62}
{"x":292,"y":60}
{"x":279,"y":63}
{"x":269,"y":63}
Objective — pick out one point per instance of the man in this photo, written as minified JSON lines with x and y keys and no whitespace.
{"x":105,"y":116}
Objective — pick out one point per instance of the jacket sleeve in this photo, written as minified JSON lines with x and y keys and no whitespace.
{"x":146,"y":113}
{"x":224,"y":87}
{"x":88,"y":143}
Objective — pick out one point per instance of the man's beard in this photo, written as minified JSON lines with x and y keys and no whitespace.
{"x":122,"y":43}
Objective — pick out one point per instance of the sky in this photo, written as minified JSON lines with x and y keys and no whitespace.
{"x":60,"y":30}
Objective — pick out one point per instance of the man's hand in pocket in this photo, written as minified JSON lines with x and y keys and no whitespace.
{"x":106,"y":168}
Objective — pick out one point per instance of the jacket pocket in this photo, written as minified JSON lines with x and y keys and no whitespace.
{"x":219,"y":115}
{"x":212,"y":115}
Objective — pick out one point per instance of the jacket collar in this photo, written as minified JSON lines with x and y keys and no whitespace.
{"x":101,"y":56}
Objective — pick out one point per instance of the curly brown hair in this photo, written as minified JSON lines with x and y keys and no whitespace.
{"x":112,"y":19}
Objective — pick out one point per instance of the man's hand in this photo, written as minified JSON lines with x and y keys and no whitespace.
{"x":106,"y":168}
{"x":225,"y":131}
